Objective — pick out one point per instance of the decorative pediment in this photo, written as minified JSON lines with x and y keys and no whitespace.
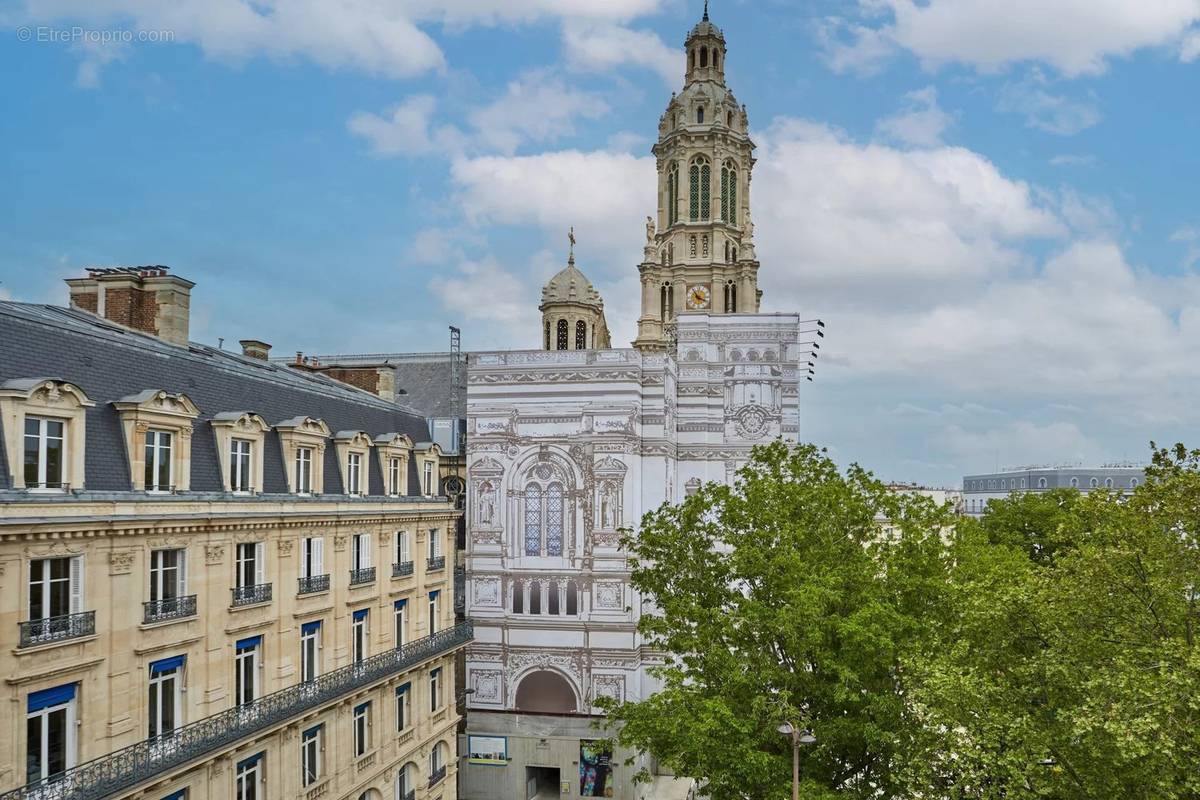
{"x":158,"y":401}
{"x":396,"y":440}
{"x":358,"y":440}
{"x":610,"y":466}
{"x":46,"y":392}
{"x":241,"y":422}
{"x":428,"y":449}
{"x":487,"y":466}
{"x":304,"y":426}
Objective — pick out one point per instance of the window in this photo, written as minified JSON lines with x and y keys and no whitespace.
{"x":673,"y":194}
{"x":729,"y":193}
{"x":45,"y":449}
{"x":158,"y":461}
{"x":1041,"y":483}
{"x":168,"y":575}
{"x":435,"y":689}
{"x":563,"y":329}
{"x":246,"y":665}
{"x":730,"y":297}
{"x":668,"y":301}
{"x":435,"y":543}
{"x":250,"y":564}
{"x":360,"y":552}
{"x":433,"y":613}
{"x":312,"y":557}
{"x":166,"y":696}
{"x":55,"y":587}
{"x":50,"y":732}
{"x":535,"y":597}
{"x":239,"y":465}
{"x":427,"y":477}
{"x":700,"y":115}
{"x":354,"y":474}
{"x":581,"y":335}
{"x":437,"y":762}
{"x":310,"y":651}
{"x":310,"y":755}
{"x":1094,"y":483}
{"x":703,"y":57}
{"x":1108,"y":483}
{"x":304,"y":460}
{"x":518,"y":599}
{"x":694,"y":193}
{"x":394,"y":487}
{"x":406,"y":782}
{"x":552,"y":604}
{"x":1133,"y":482}
{"x":572,"y":599}
{"x":358,"y":635}
{"x":362,"y":729}
{"x":544,"y":513}
{"x":248,"y":777}
{"x":403,"y":556}
{"x":400,"y":619}
{"x":403,"y":709}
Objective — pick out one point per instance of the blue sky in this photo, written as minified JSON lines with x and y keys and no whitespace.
{"x":993,"y":205}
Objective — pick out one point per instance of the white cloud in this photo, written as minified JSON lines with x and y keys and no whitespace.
{"x":407,"y":130}
{"x":1189,"y":50}
{"x":1075,"y":36}
{"x":1053,"y":113}
{"x":921,"y":124}
{"x":1073,"y":160}
{"x":484,"y":291}
{"x":1189,"y":237}
{"x":93,"y":58}
{"x":604,"y":47}
{"x":1019,"y":443}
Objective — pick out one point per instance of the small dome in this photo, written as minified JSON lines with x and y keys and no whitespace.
{"x":706,"y":28}
{"x":571,"y":286}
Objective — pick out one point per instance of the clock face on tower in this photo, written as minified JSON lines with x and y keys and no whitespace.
{"x":698,"y":297}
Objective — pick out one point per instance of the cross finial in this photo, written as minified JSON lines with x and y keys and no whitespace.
{"x":706,"y":10}
{"x":571,"y":239}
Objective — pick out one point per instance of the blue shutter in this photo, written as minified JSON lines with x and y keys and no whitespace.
{"x":52,"y":697}
{"x":167,"y":664}
{"x":249,"y":644}
{"x":402,"y":688}
{"x":361,"y":614}
{"x":401,"y":604}
{"x":309,"y":627}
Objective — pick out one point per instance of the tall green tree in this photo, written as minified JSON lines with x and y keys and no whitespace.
{"x":776,"y":599}
{"x":1068,"y":667}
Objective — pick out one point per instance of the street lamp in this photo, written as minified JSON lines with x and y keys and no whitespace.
{"x":798,"y":737}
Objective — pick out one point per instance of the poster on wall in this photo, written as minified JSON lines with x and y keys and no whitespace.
{"x":488,"y":750}
{"x":595,"y":768}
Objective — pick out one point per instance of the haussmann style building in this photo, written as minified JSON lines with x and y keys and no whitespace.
{"x":570,"y":444}
{"x":220,"y":578}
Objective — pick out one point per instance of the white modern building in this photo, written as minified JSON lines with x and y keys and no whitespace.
{"x":979,"y":490}
{"x":570,"y":444}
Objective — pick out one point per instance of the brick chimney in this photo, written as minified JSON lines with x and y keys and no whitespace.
{"x":253,"y":348}
{"x":146,"y":299}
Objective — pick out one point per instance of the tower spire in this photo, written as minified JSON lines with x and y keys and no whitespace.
{"x":706,"y":10}
{"x":571,"y":239}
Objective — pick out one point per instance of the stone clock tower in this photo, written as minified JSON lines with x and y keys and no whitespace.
{"x":700,"y":252}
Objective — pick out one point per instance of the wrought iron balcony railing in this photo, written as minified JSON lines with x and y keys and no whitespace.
{"x":313,"y":584}
{"x":57,"y":629}
{"x":436,"y":776}
{"x":402,"y":570}
{"x":151,"y":758}
{"x":170,"y":608}
{"x":361,"y":576}
{"x":434,"y":564}
{"x":249,"y":595}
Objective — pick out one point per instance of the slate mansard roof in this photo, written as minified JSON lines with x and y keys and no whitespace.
{"x":109,"y":362}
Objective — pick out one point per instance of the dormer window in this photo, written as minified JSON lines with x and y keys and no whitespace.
{"x":239,"y":465}
{"x":158,"y":436}
{"x":304,"y":462}
{"x":43,"y":426}
{"x":352,"y":450}
{"x":428,"y":459}
{"x":303,"y":442}
{"x":393,"y":477}
{"x":394,"y":452}
{"x":241,"y":437}
{"x":427,"y":479}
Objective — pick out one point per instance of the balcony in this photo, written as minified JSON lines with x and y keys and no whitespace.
{"x":313,"y":584}
{"x":402,"y":570}
{"x":360,"y":576}
{"x":434,"y":564}
{"x":169,"y":608}
{"x":250,"y":595}
{"x":125,"y":769}
{"x":57,"y":629}
{"x":436,"y":776}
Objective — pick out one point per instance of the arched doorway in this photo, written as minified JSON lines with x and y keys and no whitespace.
{"x":546,"y":692}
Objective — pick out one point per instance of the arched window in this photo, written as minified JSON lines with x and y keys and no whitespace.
{"x":729,"y":118}
{"x":1108,"y":483}
{"x":1022,"y":483}
{"x":730,"y":297}
{"x":437,"y":760}
{"x":692,"y":60}
{"x":1094,"y":483}
{"x":729,"y":193}
{"x":734,"y":260}
{"x":533,"y":520}
{"x":554,"y":520}
{"x":406,"y":781}
{"x":703,"y":59}
{"x":562,"y":334}
{"x":1133,"y":482}
{"x":518,"y":598}
{"x":700,"y":115}
{"x":572,"y":599}
{"x":581,"y":335}
{"x":552,"y":600}
{"x":668,"y":302}
{"x":535,"y":597}
{"x":701,"y":176}
{"x":547,"y":334}
{"x":673,"y":194}
{"x":1041,"y":483}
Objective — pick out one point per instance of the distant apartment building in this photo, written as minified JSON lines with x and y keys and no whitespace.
{"x":940,"y":496}
{"x":979,"y":490}
{"x":222,"y":577}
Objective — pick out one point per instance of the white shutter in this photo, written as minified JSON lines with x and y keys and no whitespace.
{"x":260,"y":563}
{"x":318,"y":556}
{"x":183,"y":576}
{"x":367,"y":560}
{"x":76,"y":584}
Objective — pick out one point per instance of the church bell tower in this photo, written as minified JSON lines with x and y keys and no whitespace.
{"x":699,"y":252}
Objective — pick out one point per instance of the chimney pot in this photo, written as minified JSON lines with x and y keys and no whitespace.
{"x":253,"y":348}
{"x":147,"y":299}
